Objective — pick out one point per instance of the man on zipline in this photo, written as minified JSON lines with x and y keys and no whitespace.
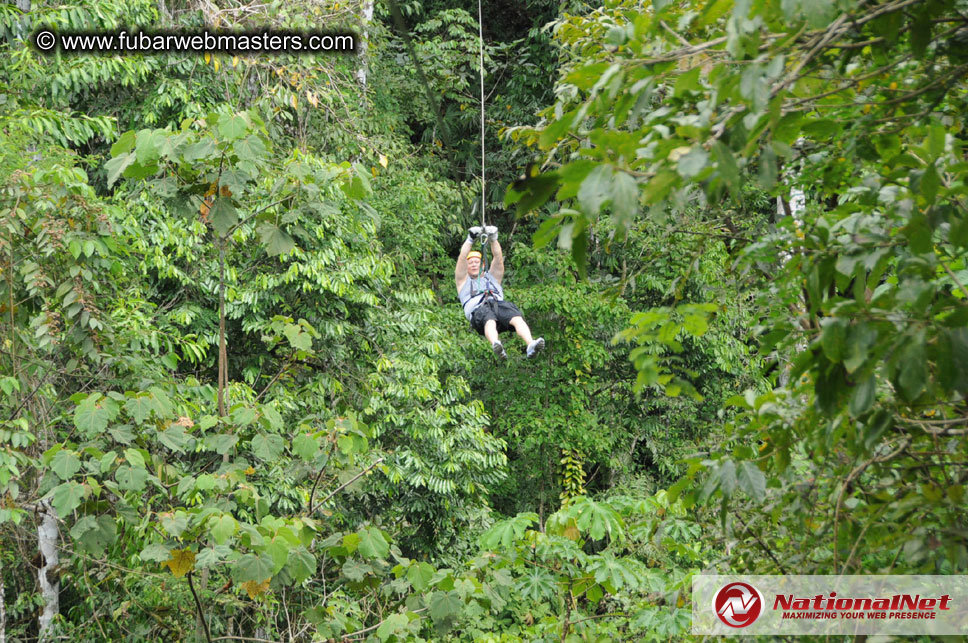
{"x":482,"y":297}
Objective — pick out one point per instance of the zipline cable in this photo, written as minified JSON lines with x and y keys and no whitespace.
{"x":434,"y":106}
{"x":480,"y":33}
{"x":444,"y":131}
{"x":480,"y":43}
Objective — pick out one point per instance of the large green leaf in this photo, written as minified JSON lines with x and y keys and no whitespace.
{"x":174,"y":437}
{"x":506,"y":532}
{"x":224,"y":528}
{"x":531,"y":192}
{"x":252,"y":567}
{"x":393,"y":624}
{"x":301,"y":565}
{"x":275,"y":240}
{"x":175,"y":523}
{"x":693,"y":162}
{"x":598,"y":519}
{"x":93,"y":534}
{"x":537,"y":585}
{"x":267,"y":446}
{"x":131,"y":478}
{"x":596,"y":189}
{"x":116,"y":166}
{"x":160,"y":403}
{"x":727,"y":166}
{"x":445,"y":606}
{"x":135,"y":458}
{"x":912,"y":369}
{"x":833,"y":339}
{"x":223,"y":216}
{"x":862,"y":397}
{"x":298,"y":337}
{"x":222,"y":443}
{"x":66,"y":497}
{"x":139,"y":407}
{"x":372,"y":543}
{"x":250,"y":149}
{"x":123,"y":145}
{"x":156,"y":552}
{"x":94,"y":413}
{"x":625,"y":197}
{"x":419,"y":575}
{"x":751,"y":480}
{"x":278,"y":550}
{"x":200,"y":151}
{"x":616,"y":573}
{"x":232,"y":126}
{"x":355,"y":570}
{"x":65,"y":464}
{"x":305,"y":446}
{"x":147,"y":146}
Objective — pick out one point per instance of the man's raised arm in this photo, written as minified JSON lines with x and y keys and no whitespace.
{"x":497,"y":255}
{"x":460,"y":271}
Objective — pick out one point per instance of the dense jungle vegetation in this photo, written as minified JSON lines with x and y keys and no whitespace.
{"x":239,"y":400}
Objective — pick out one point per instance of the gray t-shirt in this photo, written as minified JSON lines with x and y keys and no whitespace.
{"x":474,"y":291}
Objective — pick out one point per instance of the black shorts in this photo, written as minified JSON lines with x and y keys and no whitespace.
{"x":500,"y":311}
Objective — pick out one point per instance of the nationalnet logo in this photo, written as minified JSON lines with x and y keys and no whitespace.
{"x":898,"y":606}
{"x":822,"y":605}
{"x":738,"y":604}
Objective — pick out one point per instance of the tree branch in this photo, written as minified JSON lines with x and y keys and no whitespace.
{"x":198,"y":605}
{"x":346,"y":637}
{"x":342,"y":486}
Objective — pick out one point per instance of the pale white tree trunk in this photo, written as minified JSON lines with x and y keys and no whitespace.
{"x":3,"y":612}
{"x":364,"y":42}
{"x":47,"y":534}
{"x":797,"y":206}
{"x":798,"y":203}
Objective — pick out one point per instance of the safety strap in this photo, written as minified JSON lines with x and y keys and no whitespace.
{"x":486,"y":291}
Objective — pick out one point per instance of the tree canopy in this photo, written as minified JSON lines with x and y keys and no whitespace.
{"x":239,"y":401}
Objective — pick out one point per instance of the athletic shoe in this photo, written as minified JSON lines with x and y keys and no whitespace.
{"x":498,"y":349}
{"x":535,"y":346}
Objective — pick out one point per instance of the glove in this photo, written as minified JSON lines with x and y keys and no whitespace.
{"x":474,"y":233}
{"x":491,"y":232}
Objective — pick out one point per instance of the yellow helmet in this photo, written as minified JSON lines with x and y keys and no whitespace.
{"x":475,"y":253}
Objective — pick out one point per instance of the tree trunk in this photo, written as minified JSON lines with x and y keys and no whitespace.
{"x":795,"y":208}
{"x":3,"y":612}
{"x":201,"y":629}
{"x":364,"y":39}
{"x":223,"y":360}
{"x":47,"y":534}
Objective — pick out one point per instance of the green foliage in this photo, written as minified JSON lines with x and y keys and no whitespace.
{"x":330,"y":417}
{"x":552,"y":580}
{"x":582,"y":396}
{"x":858,"y":297}
{"x":233,"y":368}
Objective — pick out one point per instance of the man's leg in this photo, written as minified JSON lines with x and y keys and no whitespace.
{"x":490,"y":330}
{"x":521,"y":328}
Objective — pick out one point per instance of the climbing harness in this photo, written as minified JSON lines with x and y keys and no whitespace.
{"x":481,"y":284}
